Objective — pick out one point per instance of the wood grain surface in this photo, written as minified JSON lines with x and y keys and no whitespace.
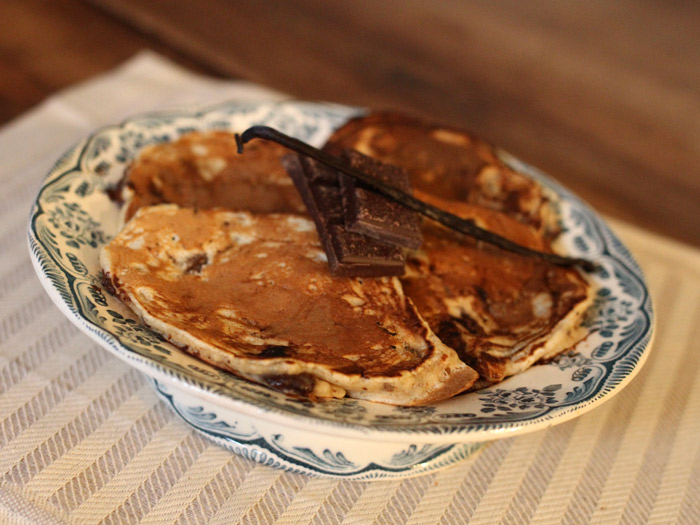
{"x":605,"y":96}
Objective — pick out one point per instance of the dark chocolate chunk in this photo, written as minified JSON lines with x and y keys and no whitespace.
{"x":372,"y":214}
{"x":271,"y":351}
{"x":294,"y":385}
{"x":196,"y":262}
{"x":328,"y":201}
{"x":349,"y":254}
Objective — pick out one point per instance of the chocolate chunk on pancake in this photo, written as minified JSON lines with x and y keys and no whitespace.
{"x":501,"y":312}
{"x":252,"y":294}
{"x":369,"y":213}
{"x":349,"y":254}
{"x":203,"y":170}
{"x":446,"y":162}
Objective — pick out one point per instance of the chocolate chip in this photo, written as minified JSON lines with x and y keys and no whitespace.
{"x":295,"y":385}
{"x":196,"y":262}
{"x":271,"y":351}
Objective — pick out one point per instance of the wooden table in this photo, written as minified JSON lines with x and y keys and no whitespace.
{"x":603,"y":95}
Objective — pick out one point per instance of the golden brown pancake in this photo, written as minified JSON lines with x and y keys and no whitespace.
{"x":252,"y":294}
{"x":448,"y":163}
{"x":203,"y":170}
{"x":501,"y":312}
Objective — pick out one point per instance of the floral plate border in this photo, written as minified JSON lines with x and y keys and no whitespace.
{"x":73,"y":217}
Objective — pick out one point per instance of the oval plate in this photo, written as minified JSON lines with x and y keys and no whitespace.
{"x":74,"y":217}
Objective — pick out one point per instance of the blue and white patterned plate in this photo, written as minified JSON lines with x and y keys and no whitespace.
{"x":73,"y":217}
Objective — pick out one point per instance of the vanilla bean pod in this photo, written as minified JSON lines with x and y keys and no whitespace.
{"x":464,"y":226}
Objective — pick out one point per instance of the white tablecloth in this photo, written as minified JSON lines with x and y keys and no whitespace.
{"x":83,"y":438}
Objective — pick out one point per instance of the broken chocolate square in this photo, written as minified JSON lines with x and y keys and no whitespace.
{"x":369,"y":213}
{"x":349,"y":254}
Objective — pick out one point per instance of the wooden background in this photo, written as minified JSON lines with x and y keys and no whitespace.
{"x":604,"y":95}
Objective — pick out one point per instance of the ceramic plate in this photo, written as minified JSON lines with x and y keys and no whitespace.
{"x":74,"y":216}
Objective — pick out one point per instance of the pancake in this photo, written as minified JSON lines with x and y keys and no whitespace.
{"x":448,"y":163}
{"x":501,"y":312}
{"x":203,"y":170}
{"x":252,"y":294}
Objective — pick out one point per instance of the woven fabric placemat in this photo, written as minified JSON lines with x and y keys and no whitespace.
{"x":84,"y":439}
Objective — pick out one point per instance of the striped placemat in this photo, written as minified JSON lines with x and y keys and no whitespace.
{"x":84,"y":439}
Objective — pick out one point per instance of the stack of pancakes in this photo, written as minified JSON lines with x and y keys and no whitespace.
{"x":219,"y":258}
